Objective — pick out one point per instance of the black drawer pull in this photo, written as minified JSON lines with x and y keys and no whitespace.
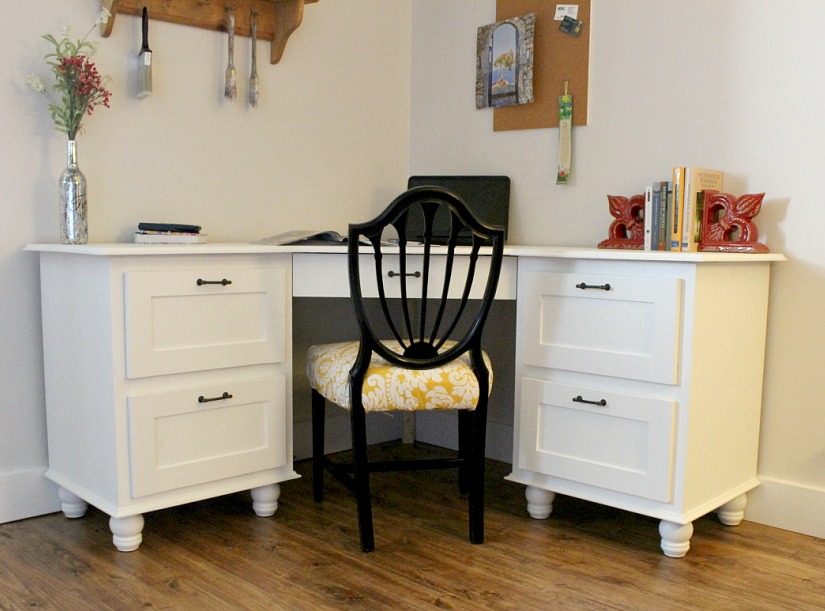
{"x":223,"y":282}
{"x":203,"y":399}
{"x":579,"y":399}
{"x":393,"y":274}
{"x":583,"y":286}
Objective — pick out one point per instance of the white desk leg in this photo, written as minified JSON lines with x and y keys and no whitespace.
{"x":675,"y":538}
{"x":265,"y":499}
{"x":71,"y":504}
{"x":539,"y":502}
{"x":126,"y":532}
{"x":733,"y":512}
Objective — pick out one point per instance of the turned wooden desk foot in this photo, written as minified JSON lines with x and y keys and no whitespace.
{"x":733,"y":512}
{"x":539,"y":502}
{"x":71,"y":504}
{"x":126,"y":532}
{"x":265,"y":500}
{"x":675,"y":538}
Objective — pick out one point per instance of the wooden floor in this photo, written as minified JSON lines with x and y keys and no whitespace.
{"x":218,"y":555}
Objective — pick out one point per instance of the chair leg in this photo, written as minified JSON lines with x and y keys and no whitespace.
{"x":318,"y":416}
{"x":476,"y":493}
{"x":465,"y":442}
{"x":362,"y":478}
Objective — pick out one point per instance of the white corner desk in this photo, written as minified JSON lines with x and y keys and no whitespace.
{"x":168,"y":376}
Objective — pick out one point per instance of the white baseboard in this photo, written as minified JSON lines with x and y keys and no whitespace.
{"x":25,"y":494}
{"x":787,"y":505}
{"x":441,"y":429}
{"x":436,"y":428}
{"x":337,"y":436}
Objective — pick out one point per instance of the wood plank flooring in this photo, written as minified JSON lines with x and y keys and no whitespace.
{"x":217,"y":554}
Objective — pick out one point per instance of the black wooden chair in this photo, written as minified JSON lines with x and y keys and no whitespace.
{"x":419,"y":352}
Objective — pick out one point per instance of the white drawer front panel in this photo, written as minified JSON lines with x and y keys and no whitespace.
{"x":174,"y":325}
{"x":176,"y":441}
{"x":629,"y":331}
{"x":321,"y":275}
{"x":625,"y":445}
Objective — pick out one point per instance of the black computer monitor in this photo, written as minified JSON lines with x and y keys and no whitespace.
{"x":488,"y":197}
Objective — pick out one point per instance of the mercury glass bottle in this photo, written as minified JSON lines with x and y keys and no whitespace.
{"x":73,"y":222}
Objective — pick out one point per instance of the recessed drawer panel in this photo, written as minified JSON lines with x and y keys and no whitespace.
{"x":620,"y":326}
{"x":175,"y":440}
{"x":191,"y":320}
{"x":327,"y":275}
{"x":625,"y":445}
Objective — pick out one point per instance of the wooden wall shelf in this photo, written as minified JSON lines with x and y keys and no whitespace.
{"x":277,"y":19}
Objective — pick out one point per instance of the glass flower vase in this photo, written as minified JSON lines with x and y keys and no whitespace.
{"x":74,"y":227}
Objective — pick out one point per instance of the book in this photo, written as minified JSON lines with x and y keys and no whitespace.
{"x":660,"y":205}
{"x":655,"y":217}
{"x":648,"y":218}
{"x":677,"y":210}
{"x":666,"y":195}
{"x":303,"y":236}
{"x":169,"y":237}
{"x":167,"y":227}
{"x":696,"y":180}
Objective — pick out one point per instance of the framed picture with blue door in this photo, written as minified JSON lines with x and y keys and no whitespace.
{"x":504,"y":62}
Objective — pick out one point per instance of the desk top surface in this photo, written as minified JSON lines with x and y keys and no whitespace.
{"x":563,"y":252}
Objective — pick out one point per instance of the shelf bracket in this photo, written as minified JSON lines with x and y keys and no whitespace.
{"x":288,"y":16}
{"x":111,"y":6}
{"x":277,"y":19}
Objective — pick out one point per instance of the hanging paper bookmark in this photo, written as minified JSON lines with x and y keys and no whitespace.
{"x":565,"y":136}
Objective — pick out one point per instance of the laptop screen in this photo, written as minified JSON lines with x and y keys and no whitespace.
{"x":488,"y":198}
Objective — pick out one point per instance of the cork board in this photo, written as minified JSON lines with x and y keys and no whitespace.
{"x":557,"y":57}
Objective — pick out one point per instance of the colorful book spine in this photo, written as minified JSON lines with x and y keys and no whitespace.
{"x":696,"y":181}
{"x":655,"y":216}
{"x":648,"y":237}
{"x":169,"y":237}
{"x":676,"y":218}
{"x":665,"y":204}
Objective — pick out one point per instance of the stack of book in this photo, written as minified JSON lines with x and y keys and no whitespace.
{"x":169,"y":233}
{"x":673,"y":209}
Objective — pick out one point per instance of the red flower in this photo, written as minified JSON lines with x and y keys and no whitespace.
{"x":78,"y":84}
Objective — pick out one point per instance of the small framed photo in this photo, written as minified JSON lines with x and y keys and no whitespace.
{"x":504,"y":62}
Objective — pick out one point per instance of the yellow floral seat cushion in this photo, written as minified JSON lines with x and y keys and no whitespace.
{"x":389,"y":388}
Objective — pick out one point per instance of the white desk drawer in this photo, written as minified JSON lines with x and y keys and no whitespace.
{"x":177,"y":441}
{"x":177,"y":321}
{"x":327,"y":275}
{"x":630,"y":330}
{"x":626,"y":445}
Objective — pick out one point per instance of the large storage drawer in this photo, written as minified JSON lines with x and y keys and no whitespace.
{"x":620,"y":326}
{"x":175,"y":440}
{"x":191,"y":320}
{"x":625,"y":445}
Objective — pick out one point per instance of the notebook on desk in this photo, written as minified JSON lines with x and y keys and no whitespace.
{"x":488,"y":197}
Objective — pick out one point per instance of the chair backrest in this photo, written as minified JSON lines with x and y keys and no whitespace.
{"x":432,"y":309}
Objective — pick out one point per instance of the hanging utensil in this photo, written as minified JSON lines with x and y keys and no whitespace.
{"x":230,"y":88}
{"x":253,"y":77}
{"x":145,"y":59}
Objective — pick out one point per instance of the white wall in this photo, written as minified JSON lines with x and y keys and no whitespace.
{"x":328,"y":142}
{"x":735,"y":85}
